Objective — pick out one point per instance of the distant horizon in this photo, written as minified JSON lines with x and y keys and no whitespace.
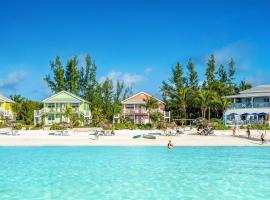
{"x":136,"y":41}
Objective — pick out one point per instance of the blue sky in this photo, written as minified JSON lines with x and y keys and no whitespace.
{"x":138,"y":41}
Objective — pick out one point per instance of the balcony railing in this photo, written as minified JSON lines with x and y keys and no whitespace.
{"x":250,"y":105}
{"x":6,"y":113}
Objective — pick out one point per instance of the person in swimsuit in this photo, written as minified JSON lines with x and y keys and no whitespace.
{"x":262,"y":138}
{"x":248,"y":132}
{"x":170,"y":145}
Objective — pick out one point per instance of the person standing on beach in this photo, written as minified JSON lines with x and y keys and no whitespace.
{"x":248,"y":132}
{"x":234,"y":131}
{"x":263,"y":138}
{"x":97,"y":135}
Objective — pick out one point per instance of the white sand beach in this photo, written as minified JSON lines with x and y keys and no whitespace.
{"x":81,"y":137}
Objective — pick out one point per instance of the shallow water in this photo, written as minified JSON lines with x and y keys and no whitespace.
{"x":63,"y":173}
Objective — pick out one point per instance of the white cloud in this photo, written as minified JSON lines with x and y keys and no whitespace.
{"x":241,"y":52}
{"x":12,"y":80}
{"x":128,"y":78}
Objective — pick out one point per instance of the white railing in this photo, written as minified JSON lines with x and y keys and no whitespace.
{"x":167,"y":114}
{"x":6,"y":113}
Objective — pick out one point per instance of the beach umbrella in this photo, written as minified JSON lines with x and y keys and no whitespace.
{"x":244,"y":114}
{"x":262,"y":113}
{"x":233,"y":114}
{"x":254,"y":113}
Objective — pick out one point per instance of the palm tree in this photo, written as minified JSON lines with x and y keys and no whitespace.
{"x":68,"y":112}
{"x":150,"y":104}
{"x":222,"y":103}
{"x":204,"y":98}
{"x":183,"y":97}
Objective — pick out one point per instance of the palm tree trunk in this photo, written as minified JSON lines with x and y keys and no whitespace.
{"x":209,"y":113}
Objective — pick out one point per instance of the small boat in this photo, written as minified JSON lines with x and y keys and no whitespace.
{"x":149,"y":137}
{"x":136,"y":136}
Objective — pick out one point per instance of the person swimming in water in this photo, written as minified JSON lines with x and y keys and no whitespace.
{"x":170,"y":145}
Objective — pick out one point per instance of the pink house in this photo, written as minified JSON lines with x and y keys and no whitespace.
{"x":133,"y":109}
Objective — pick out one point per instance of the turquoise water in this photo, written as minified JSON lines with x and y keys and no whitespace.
{"x":141,"y":173}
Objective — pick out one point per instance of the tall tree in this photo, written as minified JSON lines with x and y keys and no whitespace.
{"x":170,"y":90}
{"x":210,"y":71}
{"x":57,"y":83}
{"x":72,"y":78}
{"x":231,"y":70}
{"x":193,"y":79}
{"x":223,"y":78}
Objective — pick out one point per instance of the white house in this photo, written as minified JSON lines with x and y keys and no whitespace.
{"x":249,"y":106}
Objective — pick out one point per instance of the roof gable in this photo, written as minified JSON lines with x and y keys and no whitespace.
{"x":5,"y":99}
{"x":257,"y":89}
{"x":65,"y":97}
{"x":140,"y":97}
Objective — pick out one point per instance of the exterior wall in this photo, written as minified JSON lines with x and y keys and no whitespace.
{"x":6,"y":106}
{"x":55,"y":114}
{"x":139,"y":115}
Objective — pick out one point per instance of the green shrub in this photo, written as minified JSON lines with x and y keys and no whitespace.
{"x":221,"y":127}
{"x":17,"y":127}
{"x":57,"y":127}
{"x":37,"y":127}
{"x":119,"y":126}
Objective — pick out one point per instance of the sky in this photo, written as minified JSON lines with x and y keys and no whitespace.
{"x":137,"y":41}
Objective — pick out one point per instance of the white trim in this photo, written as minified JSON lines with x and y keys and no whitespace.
{"x":63,"y":91}
{"x":142,"y":93}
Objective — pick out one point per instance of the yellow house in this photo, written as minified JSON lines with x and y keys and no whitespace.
{"x":5,"y":109}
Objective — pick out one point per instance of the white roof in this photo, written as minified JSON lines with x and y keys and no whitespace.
{"x":76,"y":99}
{"x":126,"y":101}
{"x":258,"y":91}
{"x":5,"y":99}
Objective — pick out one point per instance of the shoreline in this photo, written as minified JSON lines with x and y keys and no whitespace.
{"x":124,"y":138}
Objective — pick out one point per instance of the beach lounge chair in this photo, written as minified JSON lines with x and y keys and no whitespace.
{"x":108,"y":133}
{"x":15,"y":133}
{"x":5,"y":132}
{"x":66,"y":133}
{"x":51,"y":133}
{"x":207,"y":132}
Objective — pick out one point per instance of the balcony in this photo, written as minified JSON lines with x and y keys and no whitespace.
{"x":250,"y":105}
{"x":6,"y":113}
{"x":136,"y":111}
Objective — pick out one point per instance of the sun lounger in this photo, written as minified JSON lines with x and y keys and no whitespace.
{"x":92,"y":132}
{"x":5,"y":132}
{"x":66,"y":133}
{"x":51,"y":133}
{"x":15,"y":133}
{"x":207,"y":132}
{"x":155,"y":133}
{"x":108,"y":133}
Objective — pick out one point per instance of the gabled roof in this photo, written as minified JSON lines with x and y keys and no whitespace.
{"x":74,"y":99}
{"x":5,"y":99}
{"x":258,"y":91}
{"x":140,"y":102}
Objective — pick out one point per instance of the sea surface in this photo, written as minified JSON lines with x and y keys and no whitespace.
{"x":141,"y":173}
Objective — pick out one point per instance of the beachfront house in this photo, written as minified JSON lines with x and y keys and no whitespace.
{"x":133,"y":109}
{"x":55,"y":108}
{"x":5,"y":109}
{"x":249,"y":106}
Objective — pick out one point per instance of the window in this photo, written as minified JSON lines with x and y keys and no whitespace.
{"x":75,"y":105}
{"x":51,"y":118}
{"x":129,"y":106}
{"x":51,"y":105}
